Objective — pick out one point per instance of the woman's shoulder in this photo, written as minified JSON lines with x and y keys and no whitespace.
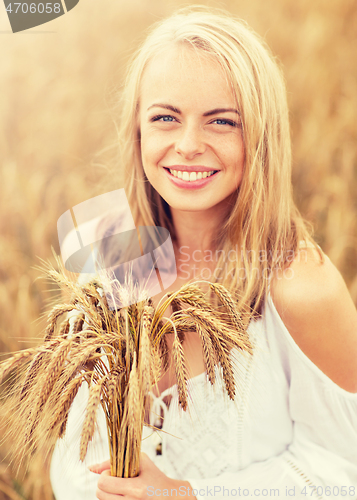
{"x":314,"y":303}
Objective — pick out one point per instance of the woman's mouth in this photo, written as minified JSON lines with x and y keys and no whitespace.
{"x":191,"y":176}
{"x":183,"y":177}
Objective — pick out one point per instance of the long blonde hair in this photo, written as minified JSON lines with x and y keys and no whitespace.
{"x":264,"y":225}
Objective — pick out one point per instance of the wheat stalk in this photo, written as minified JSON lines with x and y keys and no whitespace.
{"x":181,"y":371}
{"x":56,"y":312}
{"x":208,"y":353}
{"x":121,"y":354}
{"x":15,"y":362}
{"x":227,"y":299}
{"x":61,"y":409}
{"x":90,"y":418}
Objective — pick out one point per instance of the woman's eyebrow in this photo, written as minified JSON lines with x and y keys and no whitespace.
{"x":208,"y":113}
{"x":166,"y":106}
{"x":221,"y":110}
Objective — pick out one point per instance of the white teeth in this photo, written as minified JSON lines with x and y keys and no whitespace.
{"x":190,"y":176}
{"x":185,"y":176}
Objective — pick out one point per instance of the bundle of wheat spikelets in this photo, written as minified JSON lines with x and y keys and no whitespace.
{"x":121,"y":354}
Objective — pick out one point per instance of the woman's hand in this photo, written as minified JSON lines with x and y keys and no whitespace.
{"x":150,"y":482}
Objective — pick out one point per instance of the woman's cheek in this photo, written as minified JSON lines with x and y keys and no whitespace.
{"x":153,"y":150}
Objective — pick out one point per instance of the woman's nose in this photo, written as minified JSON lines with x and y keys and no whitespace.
{"x":190,"y":142}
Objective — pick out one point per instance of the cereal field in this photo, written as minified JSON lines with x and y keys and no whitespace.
{"x":57,"y":141}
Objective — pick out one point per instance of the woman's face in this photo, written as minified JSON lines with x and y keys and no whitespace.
{"x":191,"y":136}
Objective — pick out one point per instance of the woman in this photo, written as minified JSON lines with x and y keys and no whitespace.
{"x":206,"y":150}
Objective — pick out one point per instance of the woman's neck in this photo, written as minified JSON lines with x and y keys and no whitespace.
{"x":196,"y":234}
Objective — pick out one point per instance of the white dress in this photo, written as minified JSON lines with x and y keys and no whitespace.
{"x":291,"y":431}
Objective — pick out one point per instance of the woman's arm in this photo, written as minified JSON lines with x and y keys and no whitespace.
{"x":314,"y":303}
{"x":320,"y":317}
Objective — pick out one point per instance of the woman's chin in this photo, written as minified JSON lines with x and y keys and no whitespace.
{"x":189,"y":206}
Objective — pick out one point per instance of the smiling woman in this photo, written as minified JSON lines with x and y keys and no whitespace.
{"x":205,"y":146}
{"x":204,"y":93}
{"x":186,"y":144}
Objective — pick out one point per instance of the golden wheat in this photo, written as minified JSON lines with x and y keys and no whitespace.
{"x":209,"y":357}
{"x":41,"y":177}
{"x":181,"y":371}
{"x":61,"y":409}
{"x":121,"y":355}
{"x":90,"y":418}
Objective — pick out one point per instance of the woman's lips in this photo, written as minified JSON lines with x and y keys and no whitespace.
{"x":190,"y":184}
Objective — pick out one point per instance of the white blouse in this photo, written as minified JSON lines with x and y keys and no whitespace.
{"x":291,"y":431}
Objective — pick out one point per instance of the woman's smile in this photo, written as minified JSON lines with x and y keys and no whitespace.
{"x":190,"y":130}
{"x":190,"y":178}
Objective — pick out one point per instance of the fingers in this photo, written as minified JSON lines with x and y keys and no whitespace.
{"x":101,"y":495}
{"x":111,"y":488}
{"x":99,"y":468}
{"x":120,"y":486}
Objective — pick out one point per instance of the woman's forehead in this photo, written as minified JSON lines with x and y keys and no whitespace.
{"x":180,"y":57}
{"x":179,"y":69}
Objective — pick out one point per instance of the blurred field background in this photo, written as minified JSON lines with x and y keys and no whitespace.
{"x":56,"y":101}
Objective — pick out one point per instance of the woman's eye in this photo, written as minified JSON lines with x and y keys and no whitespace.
{"x":221,"y":121}
{"x":163,"y":118}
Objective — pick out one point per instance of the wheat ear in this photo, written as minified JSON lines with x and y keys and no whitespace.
{"x":90,"y":418}
{"x":181,"y":371}
{"x":145,"y":355}
{"x":208,"y":353}
{"x":223,"y":354}
{"x":227,"y":299}
{"x":56,"y":312}
{"x":32,"y":372}
{"x":16,"y":361}
{"x":60,"y":412}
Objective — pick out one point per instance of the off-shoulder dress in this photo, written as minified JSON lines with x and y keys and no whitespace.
{"x":290,"y":432}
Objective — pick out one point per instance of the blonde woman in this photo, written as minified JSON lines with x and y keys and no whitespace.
{"x":205,"y":147}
